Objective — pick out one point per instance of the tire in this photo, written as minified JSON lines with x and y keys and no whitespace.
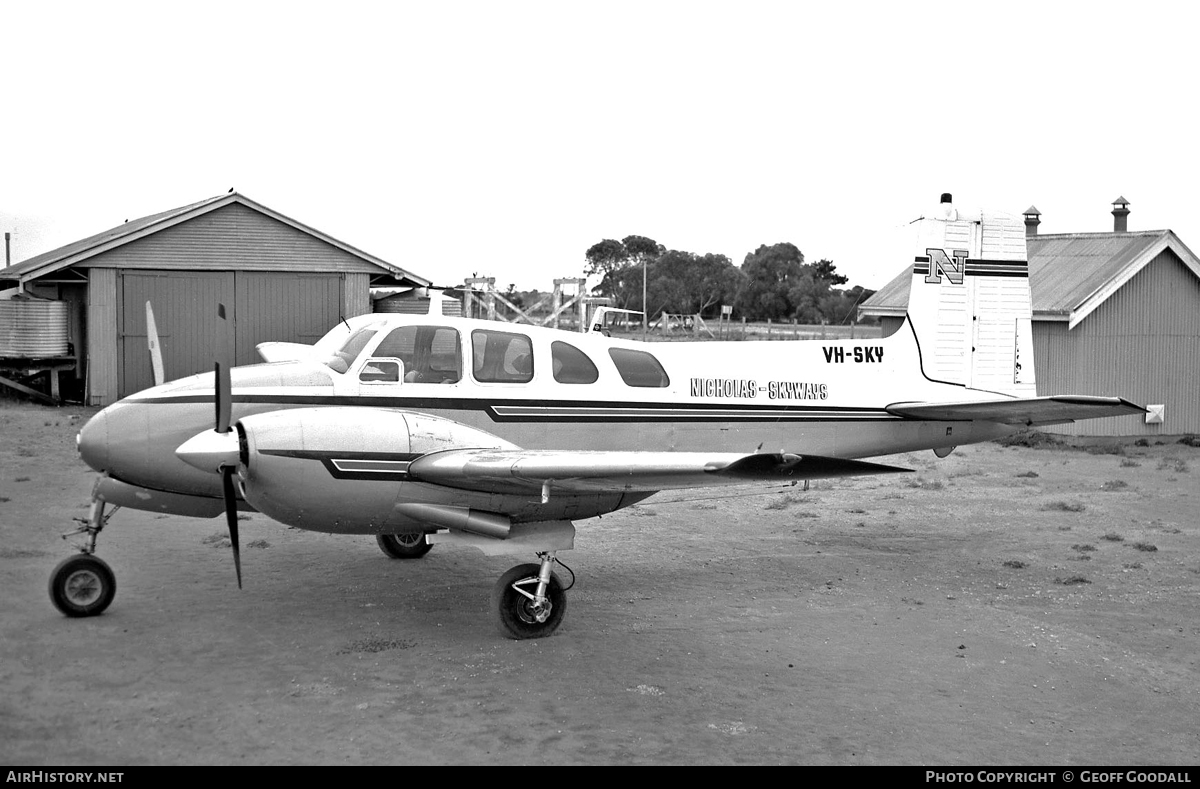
{"x":82,"y":585}
{"x":515,"y":611}
{"x":411,"y":545}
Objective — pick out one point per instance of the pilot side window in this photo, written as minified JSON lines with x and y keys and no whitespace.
{"x":638,"y":368}
{"x":571,"y":365}
{"x":501,"y":357}
{"x":430,"y":353}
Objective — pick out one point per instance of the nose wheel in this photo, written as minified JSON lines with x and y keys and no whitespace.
{"x":530,"y":600}
{"x":82,"y":585}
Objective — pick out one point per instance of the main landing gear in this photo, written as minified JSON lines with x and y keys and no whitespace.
{"x":84,"y":584}
{"x":404,"y":546}
{"x":530,"y":600}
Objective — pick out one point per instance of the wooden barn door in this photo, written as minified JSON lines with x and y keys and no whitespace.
{"x":284,"y":307}
{"x":186,"y":314}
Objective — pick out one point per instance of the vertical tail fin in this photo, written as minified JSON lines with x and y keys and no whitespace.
{"x":969,"y":304}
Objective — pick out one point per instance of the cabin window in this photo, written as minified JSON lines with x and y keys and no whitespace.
{"x":344,"y":357}
{"x":571,"y":365}
{"x":430,"y":354}
{"x":501,"y":357}
{"x":638,"y":368}
{"x":380,"y":371}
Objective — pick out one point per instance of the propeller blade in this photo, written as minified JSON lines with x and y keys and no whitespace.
{"x":227,"y":473}
{"x":156,"y":361}
{"x":223,"y":396}
{"x":223,"y":386}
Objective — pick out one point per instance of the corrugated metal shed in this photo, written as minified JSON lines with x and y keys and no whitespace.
{"x":1113,"y":314}
{"x":279,"y":279}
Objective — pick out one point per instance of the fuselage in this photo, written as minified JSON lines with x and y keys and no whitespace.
{"x":541,"y":388}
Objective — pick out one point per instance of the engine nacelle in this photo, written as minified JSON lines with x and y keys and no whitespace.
{"x":343,"y":470}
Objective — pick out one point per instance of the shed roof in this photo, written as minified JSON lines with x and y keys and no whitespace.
{"x":1070,"y":274}
{"x":133,"y":229}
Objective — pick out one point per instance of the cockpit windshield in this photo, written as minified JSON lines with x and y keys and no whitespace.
{"x":344,"y":356}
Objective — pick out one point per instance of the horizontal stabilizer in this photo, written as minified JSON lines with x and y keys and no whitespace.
{"x":1020,"y":411}
{"x":529,"y":471}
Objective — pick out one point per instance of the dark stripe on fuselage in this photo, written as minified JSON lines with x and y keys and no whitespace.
{"x":566,"y":411}
{"x":373,"y":466}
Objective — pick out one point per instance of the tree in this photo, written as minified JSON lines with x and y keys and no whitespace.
{"x":619,"y":264}
{"x":683,"y":282}
{"x":770,"y":272}
{"x":825,"y":270}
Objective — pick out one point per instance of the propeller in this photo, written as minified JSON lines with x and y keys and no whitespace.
{"x":223,"y":397}
{"x":219,"y":449}
{"x":156,"y":360}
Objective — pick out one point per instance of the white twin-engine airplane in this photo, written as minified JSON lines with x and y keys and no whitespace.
{"x":424,"y":429}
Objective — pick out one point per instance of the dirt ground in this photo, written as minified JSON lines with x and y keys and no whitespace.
{"x":1006,"y":605}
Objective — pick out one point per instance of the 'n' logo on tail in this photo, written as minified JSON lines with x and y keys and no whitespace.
{"x":940,"y":263}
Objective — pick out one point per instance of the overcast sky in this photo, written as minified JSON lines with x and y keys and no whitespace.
{"x":505,"y":138}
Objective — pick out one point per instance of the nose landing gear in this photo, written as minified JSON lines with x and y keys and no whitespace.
{"x":84,"y":584}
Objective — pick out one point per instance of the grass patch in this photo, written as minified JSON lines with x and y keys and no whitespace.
{"x":1178,"y":466}
{"x":1116,"y":484}
{"x":1129,"y":463}
{"x":374,"y":645}
{"x":1015,"y":564}
{"x":1063,"y":506}
{"x":1144,"y":546}
{"x":1074,"y":580}
{"x":1106,"y":449}
{"x":1028,"y":475}
{"x":1030,"y":438}
{"x":1112,"y":536}
{"x":784,"y":501}
{"x":926,"y":484}
{"x":1083,"y":548}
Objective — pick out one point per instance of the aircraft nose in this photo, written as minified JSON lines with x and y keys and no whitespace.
{"x":92,"y":441}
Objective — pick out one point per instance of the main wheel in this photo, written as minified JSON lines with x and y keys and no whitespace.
{"x":82,"y":585}
{"x":521,"y":617}
{"x":411,"y":545}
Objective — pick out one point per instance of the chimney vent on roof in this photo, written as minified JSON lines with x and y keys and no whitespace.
{"x":1032,"y":220}
{"x":1120,"y":214}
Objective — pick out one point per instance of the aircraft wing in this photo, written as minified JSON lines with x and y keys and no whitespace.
{"x":1020,"y":411}
{"x":528,"y":471}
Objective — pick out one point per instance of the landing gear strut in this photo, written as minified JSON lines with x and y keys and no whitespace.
{"x":84,"y":584}
{"x":530,"y":600}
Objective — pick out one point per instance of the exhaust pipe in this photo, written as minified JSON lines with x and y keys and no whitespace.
{"x":487,"y":524}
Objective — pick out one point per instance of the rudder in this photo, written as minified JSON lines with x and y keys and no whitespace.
{"x":969,"y":303}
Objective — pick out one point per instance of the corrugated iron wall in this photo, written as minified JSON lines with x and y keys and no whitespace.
{"x":101,"y":353}
{"x":231,"y":237}
{"x":356,"y":294}
{"x":1143,"y":344}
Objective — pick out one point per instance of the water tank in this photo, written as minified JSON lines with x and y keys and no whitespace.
{"x":33,"y":328}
